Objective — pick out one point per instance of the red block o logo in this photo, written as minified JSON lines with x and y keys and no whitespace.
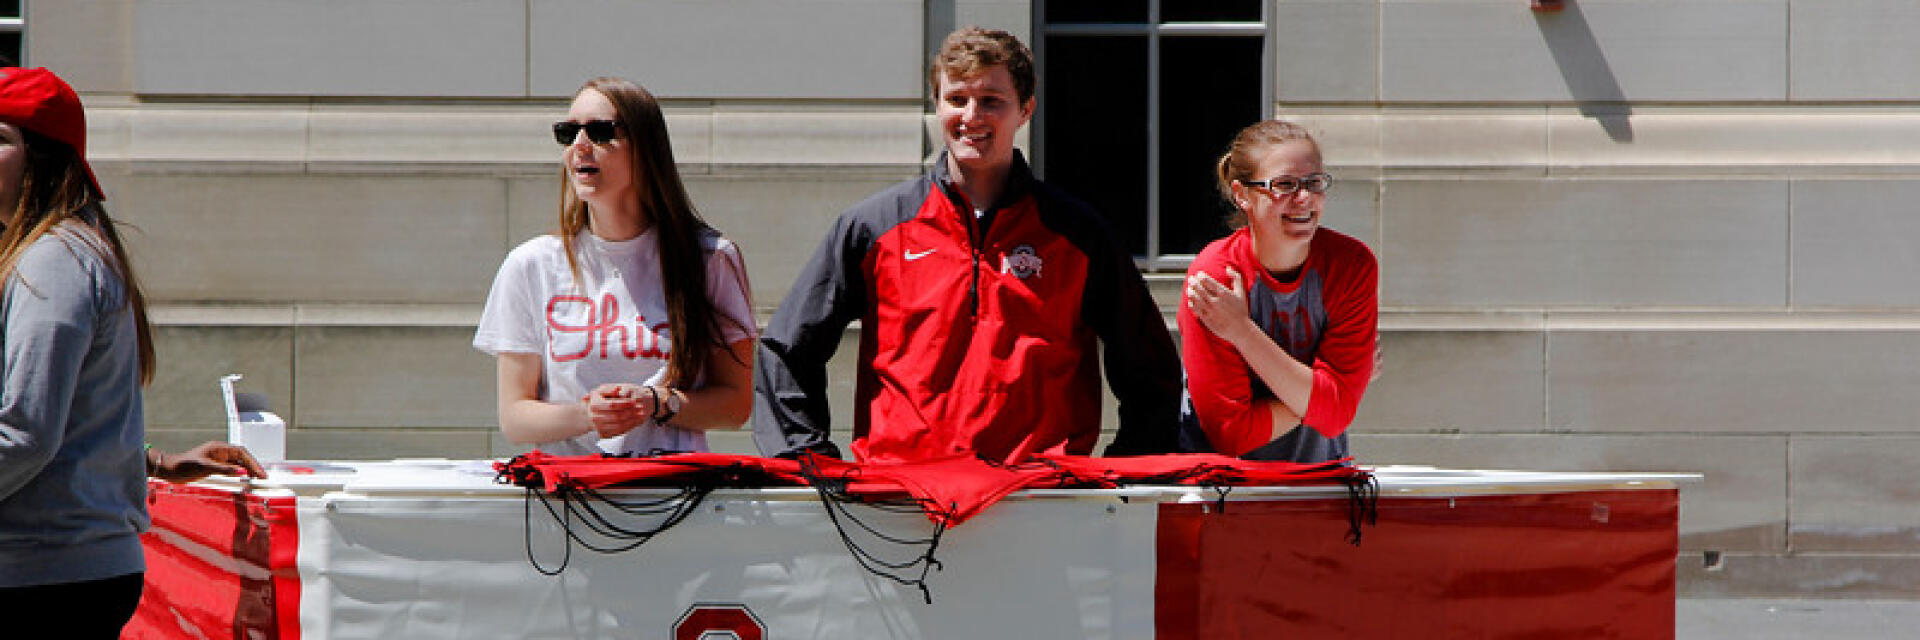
{"x":715,"y":621}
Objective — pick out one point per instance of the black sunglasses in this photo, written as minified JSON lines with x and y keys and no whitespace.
{"x":1288,"y":185}
{"x":598,"y":131}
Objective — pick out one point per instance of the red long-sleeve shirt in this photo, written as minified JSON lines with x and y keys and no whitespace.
{"x":1326,"y":317}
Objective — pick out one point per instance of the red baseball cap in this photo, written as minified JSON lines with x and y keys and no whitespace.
{"x":38,"y":101}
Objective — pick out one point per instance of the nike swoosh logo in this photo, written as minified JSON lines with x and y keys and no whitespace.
{"x":910,"y":256}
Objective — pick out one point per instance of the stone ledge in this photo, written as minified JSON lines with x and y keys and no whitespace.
{"x":1647,"y":320}
{"x":1167,"y":285}
{"x":333,"y":315}
{"x":1888,"y":576}
{"x":1719,"y":140}
{"x":507,"y":136}
{"x":1472,"y":141}
{"x":321,"y":315}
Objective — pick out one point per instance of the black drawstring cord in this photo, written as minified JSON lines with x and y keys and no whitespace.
{"x":834,"y":498}
{"x":1363,"y":495}
{"x":677,"y":507}
{"x":1363,"y":502}
{"x":1220,"y":502}
{"x":526,"y":531}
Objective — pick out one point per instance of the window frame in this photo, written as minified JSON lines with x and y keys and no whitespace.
{"x":1154,"y":30}
{"x":18,"y":24}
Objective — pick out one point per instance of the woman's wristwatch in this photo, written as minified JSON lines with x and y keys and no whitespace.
{"x":664,"y":409}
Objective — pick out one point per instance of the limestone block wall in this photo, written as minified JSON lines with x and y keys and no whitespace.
{"x":1632,"y":235}
{"x":320,"y":192}
{"x":1643,"y":235}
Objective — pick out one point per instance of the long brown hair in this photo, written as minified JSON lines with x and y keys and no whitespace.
{"x":1238,"y":162}
{"x":691,"y":318}
{"x":54,"y":188}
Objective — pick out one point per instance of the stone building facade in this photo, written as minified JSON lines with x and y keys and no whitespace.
{"x":1628,"y":235}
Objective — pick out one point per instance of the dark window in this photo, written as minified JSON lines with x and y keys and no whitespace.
{"x":1058,"y":11}
{"x":9,"y":48}
{"x":1096,"y":133}
{"x":1133,"y":114}
{"x":1211,"y":11}
{"x":1215,"y":93}
{"x":11,"y":28}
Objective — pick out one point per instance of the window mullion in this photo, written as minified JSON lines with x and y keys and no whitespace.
{"x":1269,"y":91}
{"x":1153,"y":131}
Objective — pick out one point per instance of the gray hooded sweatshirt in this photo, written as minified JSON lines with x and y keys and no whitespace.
{"x":72,"y":465}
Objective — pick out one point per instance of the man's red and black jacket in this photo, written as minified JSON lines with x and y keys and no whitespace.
{"x":978,"y":334}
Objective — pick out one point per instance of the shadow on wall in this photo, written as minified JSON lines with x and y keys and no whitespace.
{"x":1584,"y":68}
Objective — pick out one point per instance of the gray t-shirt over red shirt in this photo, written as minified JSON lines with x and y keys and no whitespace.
{"x":1325,"y":317}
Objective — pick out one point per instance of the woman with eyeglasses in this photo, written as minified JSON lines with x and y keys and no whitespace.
{"x":1278,"y":319}
{"x":75,"y":348}
{"x":629,"y":330}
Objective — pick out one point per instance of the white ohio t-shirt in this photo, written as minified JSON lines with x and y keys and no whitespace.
{"x":611,"y":329}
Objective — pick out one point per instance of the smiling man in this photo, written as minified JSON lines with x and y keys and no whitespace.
{"x":982,"y":294}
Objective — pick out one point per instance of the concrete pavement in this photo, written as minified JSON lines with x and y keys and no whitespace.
{"x":1795,"y":619}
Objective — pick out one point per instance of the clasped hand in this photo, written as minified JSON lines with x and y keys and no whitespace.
{"x":1222,"y":309}
{"x":616,"y":408}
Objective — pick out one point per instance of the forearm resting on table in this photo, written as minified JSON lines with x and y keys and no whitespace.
{"x":1289,"y":380}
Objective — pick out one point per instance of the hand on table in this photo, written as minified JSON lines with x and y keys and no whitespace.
{"x":199,"y":462}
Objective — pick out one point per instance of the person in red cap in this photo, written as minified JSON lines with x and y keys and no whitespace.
{"x":75,"y":348}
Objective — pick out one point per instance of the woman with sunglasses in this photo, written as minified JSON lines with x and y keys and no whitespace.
{"x":630,"y":329}
{"x":75,"y":348}
{"x":1278,"y":321}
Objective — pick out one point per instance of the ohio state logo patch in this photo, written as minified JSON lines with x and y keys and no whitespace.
{"x":1022,"y":262}
{"x":708,"y":621}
